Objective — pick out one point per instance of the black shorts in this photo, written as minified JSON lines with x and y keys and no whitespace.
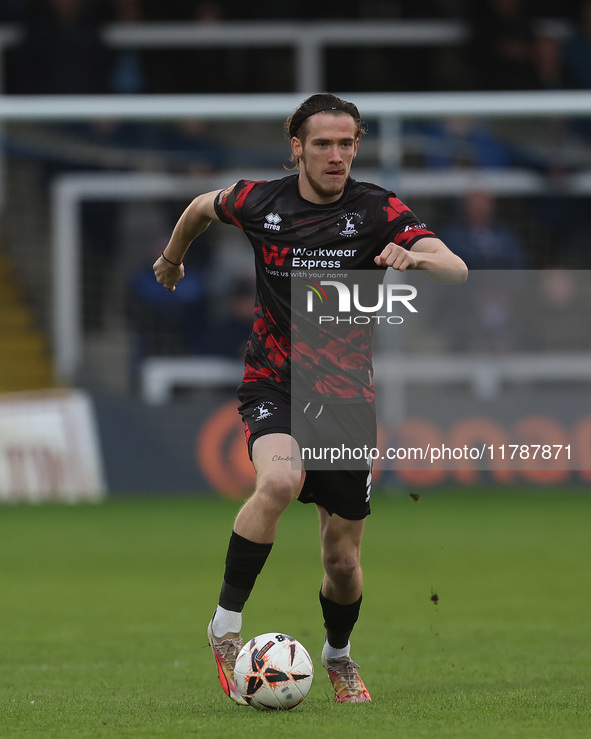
{"x":323,"y":432}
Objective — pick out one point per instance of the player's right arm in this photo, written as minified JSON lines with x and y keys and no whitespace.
{"x":169,"y":268}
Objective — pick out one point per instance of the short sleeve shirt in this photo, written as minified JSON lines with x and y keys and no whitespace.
{"x":292,"y":236}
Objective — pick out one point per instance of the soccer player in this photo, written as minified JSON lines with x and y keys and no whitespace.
{"x":319,"y":208}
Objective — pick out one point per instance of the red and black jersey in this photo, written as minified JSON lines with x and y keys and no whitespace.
{"x":292,"y":236}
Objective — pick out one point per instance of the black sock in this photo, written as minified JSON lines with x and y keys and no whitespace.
{"x":339,"y":620}
{"x":244,"y":561}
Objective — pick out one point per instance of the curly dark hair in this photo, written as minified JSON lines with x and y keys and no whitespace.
{"x":322,"y":102}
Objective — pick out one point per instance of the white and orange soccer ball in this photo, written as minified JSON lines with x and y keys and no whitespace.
{"x":273,"y":672}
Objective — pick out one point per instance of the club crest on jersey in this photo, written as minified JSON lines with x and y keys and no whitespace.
{"x":264,"y":410}
{"x":348,"y":224}
{"x":272,"y":221}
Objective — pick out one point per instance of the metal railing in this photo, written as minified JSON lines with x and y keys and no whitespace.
{"x":309,"y":40}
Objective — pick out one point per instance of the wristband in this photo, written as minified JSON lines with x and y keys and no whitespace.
{"x":176,"y":264}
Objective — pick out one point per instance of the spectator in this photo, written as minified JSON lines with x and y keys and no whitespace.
{"x":500,"y":47}
{"x":480,"y":239}
{"x":171,"y":10}
{"x":188,"y":70}
{"x":463,"y":142}
{"x":62,"y":53}
{"x":228,"y":336}
{"x":547,"y":62}
{"x":13,"y":11}
{"x":554,"y":312}
{"x":164,"y":324}
{"x":481,"y":318}
{"x":576,"y":52}
{"x":127,"y":71}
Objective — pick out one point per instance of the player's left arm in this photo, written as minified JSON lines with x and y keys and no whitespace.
{"x":428,"y":253}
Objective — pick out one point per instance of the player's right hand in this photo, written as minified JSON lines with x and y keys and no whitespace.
{"x":168,"y":275}
{"x":397,"y":257}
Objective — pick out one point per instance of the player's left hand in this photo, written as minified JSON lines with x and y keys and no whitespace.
{"x":396,"y":257}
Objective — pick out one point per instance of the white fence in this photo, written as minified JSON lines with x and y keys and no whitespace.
{"x":383,"y":106}
{"x":485,"y":376}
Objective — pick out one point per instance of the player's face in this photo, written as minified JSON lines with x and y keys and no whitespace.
{"x":325,"y":154}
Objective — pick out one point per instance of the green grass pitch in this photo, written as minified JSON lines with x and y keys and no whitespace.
{"x":103,"y":611}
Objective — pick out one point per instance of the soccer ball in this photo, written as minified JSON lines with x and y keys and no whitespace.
{"x":273,"y":672}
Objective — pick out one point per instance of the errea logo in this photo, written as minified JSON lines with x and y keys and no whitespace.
{"x":272,"y":221}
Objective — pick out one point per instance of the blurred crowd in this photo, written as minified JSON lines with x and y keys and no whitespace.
{"x":509,"y":45}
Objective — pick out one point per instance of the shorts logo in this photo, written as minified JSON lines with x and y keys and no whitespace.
{"x":349,"y":223}
{"x":265,"y":410}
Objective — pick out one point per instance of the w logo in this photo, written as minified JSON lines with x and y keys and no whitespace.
{"x":271,"y":254}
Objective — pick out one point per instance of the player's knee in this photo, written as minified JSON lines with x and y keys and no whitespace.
{"x":279,"y":490}
{"x":341,"y":567}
